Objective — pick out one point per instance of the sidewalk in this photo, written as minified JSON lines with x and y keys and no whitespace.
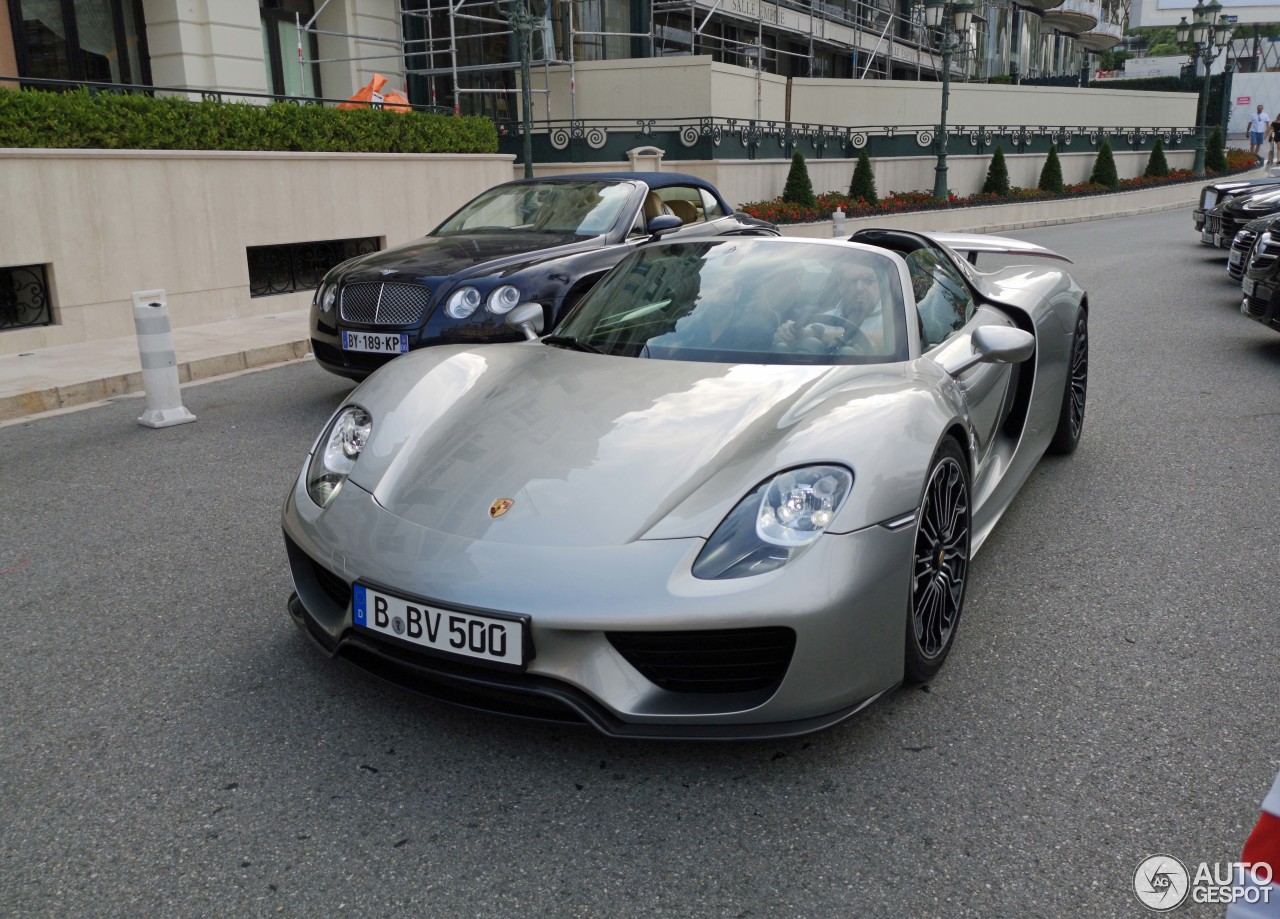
{"x":54,"y":378}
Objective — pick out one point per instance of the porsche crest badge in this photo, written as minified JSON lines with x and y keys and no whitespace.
{"x":500,"y":507}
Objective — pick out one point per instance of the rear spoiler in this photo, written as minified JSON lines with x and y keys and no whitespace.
{"x":971,"y":244}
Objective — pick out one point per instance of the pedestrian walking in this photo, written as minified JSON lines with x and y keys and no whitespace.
{"x":1258,"y":125}
{"x":1273,"y":138}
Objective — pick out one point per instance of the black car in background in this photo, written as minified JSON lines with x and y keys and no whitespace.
{"x":1261,"y":281}
{"x":1217,"y":192}
{"x":1242,"y":246}
{"x":544,"y":241}
{"x":1223,"y":221}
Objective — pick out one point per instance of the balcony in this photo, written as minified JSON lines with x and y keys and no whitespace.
{"x":1074,"y":16}
{"x":1102,"y":36}
{"x":1039,"y":5}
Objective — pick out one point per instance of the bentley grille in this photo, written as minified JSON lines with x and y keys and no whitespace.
{"x":385,"y":304}
{"x":1212,"y":223}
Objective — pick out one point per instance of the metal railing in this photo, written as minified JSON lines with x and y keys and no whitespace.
{"x":608,"y":140}
{"x":24,"y":297}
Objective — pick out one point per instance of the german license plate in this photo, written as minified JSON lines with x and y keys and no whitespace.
{"x":1248,"y":285}
{"x":488,"y":638}
{"x":1236,"y":257}
{"x":376,"y":342}
{"x":1206,"y":237}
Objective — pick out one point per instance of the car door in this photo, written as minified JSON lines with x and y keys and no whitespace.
{"x":948,"y":317}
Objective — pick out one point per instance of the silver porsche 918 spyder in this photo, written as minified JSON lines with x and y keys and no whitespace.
{"x":735,"y":494}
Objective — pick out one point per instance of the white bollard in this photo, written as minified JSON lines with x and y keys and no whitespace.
{"x":159,"y":363}
{"x":837,"y":222}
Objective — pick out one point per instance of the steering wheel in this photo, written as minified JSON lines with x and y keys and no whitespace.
{"x":855,"y":341}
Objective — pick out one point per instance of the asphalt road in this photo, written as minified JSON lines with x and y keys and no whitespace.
{"x":170,"y":746}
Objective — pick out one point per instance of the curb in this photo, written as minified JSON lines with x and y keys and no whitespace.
{"x":59,"y":397}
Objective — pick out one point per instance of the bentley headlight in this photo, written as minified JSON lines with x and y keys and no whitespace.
{"x":336,"y":453}
{"x":503,"y":300}
{"x":326,"y":297}
{"x":775,"y":523}
{"x":463,"y":303}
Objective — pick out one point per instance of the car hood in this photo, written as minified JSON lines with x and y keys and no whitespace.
{"x":596,"y":450}
{"x":463,"y":254}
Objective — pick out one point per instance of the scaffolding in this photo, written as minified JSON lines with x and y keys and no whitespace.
{"x":450,"y":35}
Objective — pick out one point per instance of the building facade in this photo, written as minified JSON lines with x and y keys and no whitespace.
{"x":462,"y":54}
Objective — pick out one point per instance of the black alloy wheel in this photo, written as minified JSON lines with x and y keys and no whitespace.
{"x":940,"y":563}
{"x":1071,"y":418}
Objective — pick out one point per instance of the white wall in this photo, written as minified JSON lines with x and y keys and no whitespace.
{"x":109,"y":222}
{"x":696,"y":86}
{"x":1252,"y":88}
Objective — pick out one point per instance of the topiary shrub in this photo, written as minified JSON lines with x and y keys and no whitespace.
{"x":1104,"y":167}
{"x":1215,"y":154}
{"x":1051,"y":174}
{"x":1157,"y":165}
{"x":799,"y":190}
{"x":997,"y":176}
{"x":864,"y":181}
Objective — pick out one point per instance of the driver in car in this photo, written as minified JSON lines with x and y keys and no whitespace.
{"x":836,"y":324}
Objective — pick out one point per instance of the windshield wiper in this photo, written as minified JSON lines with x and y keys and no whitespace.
{"x":569,"y":341}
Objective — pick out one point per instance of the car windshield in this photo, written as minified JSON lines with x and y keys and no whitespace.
{"x":740,"y":300}
{"x":559,"y":208}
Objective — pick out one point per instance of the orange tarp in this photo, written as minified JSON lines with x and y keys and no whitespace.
{"x":371,"y":94}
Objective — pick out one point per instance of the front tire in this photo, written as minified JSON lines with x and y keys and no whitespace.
{"x":940,"y":563}
{"x":1071,"y":416}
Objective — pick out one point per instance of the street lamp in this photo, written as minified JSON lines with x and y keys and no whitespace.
{"x":1204,"y":38}
{"x":953,"y":17}
{"x":522,"y":20}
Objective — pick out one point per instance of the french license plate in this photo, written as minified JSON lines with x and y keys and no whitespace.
{"x":376,"y":342}
{"x":1206,"y":237}
{"x":1236,"y":257}
{"x":1248,"y":285}
{"x":487,"y":638}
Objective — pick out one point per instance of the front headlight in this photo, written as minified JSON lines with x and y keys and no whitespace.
{"x":326,"y":297}
{"x":464,"y":302}
{"x":336,"y":453}
{"x":503,"y":300}
{"x":775,"y":523}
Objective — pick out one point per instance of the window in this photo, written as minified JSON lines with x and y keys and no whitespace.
{"x":942,"y":297}
{"x":100,"y":41}
{"x":280,"y":19}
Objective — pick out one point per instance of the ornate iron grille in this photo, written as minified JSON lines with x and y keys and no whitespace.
{"x":385,"y":304}
{"x":300,"y":266}
{"x":24,"y":297}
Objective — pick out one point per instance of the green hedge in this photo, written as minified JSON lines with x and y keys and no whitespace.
{"x":82,"y":119}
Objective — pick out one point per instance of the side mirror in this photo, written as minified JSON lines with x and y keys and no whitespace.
{"x":996,"y":345}
{"x":664,"y":223}
{"x":528,"y":318}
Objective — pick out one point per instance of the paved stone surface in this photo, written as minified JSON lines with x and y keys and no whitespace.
{"x":169,"y":745}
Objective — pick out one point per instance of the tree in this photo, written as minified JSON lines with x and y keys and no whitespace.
{"x":864,"y":181}
{"x":799,"y":190}
{"x":1051,"y":174}
{"x":1157,"y":165}
{"x":1104,"y":167}
{"x":1215,"y":156}
{"x":997,"y":176}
